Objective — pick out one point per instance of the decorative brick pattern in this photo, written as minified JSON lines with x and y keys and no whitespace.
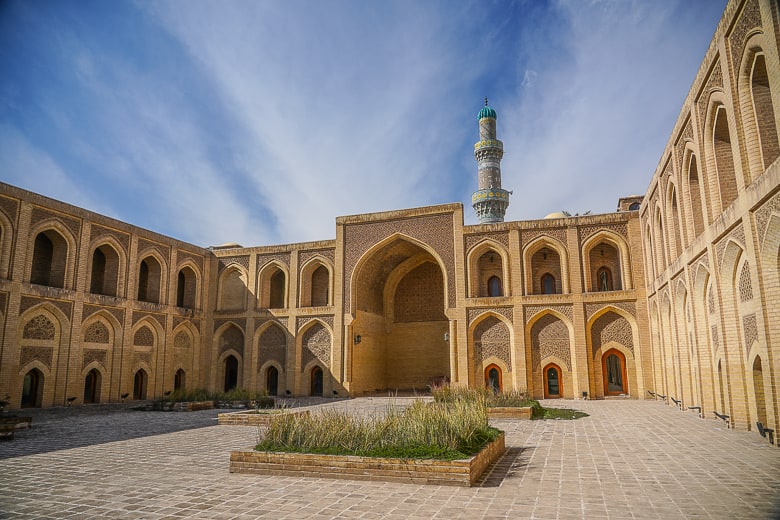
{"x":710,"y":300}
{"x":748,"y":20}
{"x":751,"y":330}
{"x":181,"y":340}
{"x":593,"y":308}
{"x":434,"y":230}
{"x":30,"y":301}
{"x":419,"y":296}
{"x":231,"y":338}
{"x":263,"y":260}
{"x":42,"y":354}
{"x":97,"y":233}
{"x":40,"y":327}
{"x":40,"y":214}
{"x":763,"y":213}
{"x":240,"y":322}
{"x":144,"y":246}
{"x":715,"y":341}
{"x":685,"y":135}
{"x":300,"y":321}
{"x":88,"y":310}
{"x":91,"y":355}
{"x":329,"y":254}
{"x":528,"y":235}
{"x":144,"y":337}
{"x":272,"y":345}
{"x":242,"y":260}
{"x":506,"y":312}
{"x":611,"y":327}
{"x":96,"y":333}
{"x":714,"y":82}
{"x":745,"y":286}
{"x":588,"y":231}
{"x":159,"y":318}
{"x":737,"y":234}
{"x":533,"y":310}
{"x":142,"y":357}
{"x":550,"y":337}
{"x":316,"y":344}
{"x":491,"y":338}
{"x":182,"y":256}
{"x":472,"y":240}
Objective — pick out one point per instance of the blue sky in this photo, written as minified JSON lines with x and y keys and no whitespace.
{"x":259,"y":122}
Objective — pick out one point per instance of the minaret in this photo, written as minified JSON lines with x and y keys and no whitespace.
{"x":489,"y":201}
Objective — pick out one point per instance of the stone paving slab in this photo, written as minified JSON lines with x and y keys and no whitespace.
{"x":629,"y":459}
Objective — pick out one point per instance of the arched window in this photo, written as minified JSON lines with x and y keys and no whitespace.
{"x":316,"y":381}
{"x":277,"y":290}
{"x":232,"y":296}
{"x":724,"y":160}
{"x":694,"y":189}
{"x":604,"y":277}
{"x":32,"y":389}
{"x":231,"y":373}
{"x":494,"y":287}
{"x":179,"y":380}
{"x":758,"y":388}
{"x":320,"y":282}
{"x":634,"y":206}
{"x":105,"y":271}
{"x":493,"y":379}
{"x":149,"y":278}
{"x":553,"y":382}
{"x":139,"y":385}
{"x":50,"y":256}
{"x":765,"y":115}
{"x":92,"y":387}
{"x":548,"y":284}
{"x":272,"y":380}
{"x":185,"y":288}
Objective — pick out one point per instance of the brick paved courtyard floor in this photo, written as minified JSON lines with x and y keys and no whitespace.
{"x":629,"y":459}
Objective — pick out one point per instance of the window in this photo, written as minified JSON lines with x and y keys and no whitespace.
{"x":493,"y":378}
{"x":272,"y":381}
{"x":604,"y":277}
{"x":494,"y":287}
{"x":553,"y":383}
{"x":548,"y":284}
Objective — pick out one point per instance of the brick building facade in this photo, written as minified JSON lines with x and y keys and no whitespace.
{"x":672,"y":293}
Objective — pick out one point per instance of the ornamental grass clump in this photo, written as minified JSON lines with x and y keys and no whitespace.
{"x":438,"y":430}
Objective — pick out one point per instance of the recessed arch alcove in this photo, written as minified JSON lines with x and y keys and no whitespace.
{"x":399,"y":331}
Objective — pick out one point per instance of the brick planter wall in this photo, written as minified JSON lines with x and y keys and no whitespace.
{"x":435,"y":472}
{"x":509,"y":412}
{"x":250,"y":418}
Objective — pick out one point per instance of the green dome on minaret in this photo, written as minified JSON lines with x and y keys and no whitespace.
{"x":486,"y":112}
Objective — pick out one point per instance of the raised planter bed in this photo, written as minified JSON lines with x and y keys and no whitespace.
{"x":251,"y":417}
{"x":510,"y":412}
{"x":184,"y":406}
{"x":463,"y":472}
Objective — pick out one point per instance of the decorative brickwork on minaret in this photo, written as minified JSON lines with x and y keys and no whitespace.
{"x":489,"y":201}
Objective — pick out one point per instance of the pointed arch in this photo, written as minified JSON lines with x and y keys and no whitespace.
{"x":487,"y":260}
{"x":106,"y":270}
{"x":6,"y":245}
{"x":232,"y":289}
{"x":316,"y":282}
{"x":695,"y":188}
{"x":719,"y":146}
{"x":188,"y":281}
{"x":152,"y":271}
{"x":676,"y":229}
{"x":550,"y":336}
{"x":272,"y":281}
{"x":52,"y":254}
{"x":490,"y":341}
{"x":595,"y":254}
{"x":546,"y":255}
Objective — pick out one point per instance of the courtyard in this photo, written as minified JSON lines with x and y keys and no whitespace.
{"x":628,"y":459}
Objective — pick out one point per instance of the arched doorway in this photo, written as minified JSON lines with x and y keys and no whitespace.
{"x":231,"y":373}
{"x":178,"y":380}
{"x":139,"y":385}
{"x":553,"y":382}
{"x":758,"y":389}
{"x":92,"y":387}
{"x":493,"y":378}
{"x":32,"y":389}
{"x":614,"y":368}
{"x":272,"y":380}
{"x":316,"y":381}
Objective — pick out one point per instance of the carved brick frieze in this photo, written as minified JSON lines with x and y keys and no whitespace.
{"x":159,"y":318}
{"x":328,"y":254}
{"x":501,"y":238}
{"x":97,"y":233}
{"x":182,"y":256}
{"x":710,"y":300}
{"x":181,"y":340}
{"x":40,"y":214}
{"x":182,"y":359}
{"x":745,"y":286}
{"x":751,"y":330}
{"x":762,"y":216}
{"x":91,"y":355}
{"x":97,"y":332}
{"x":242,"y":260}
{"x":550,"y":337}
{"x":42,"y":354}
{"x":10,"y":207}
{"x":533,"y":310}
{"x":685,"y":135}
{"x":30,"y":301}
{"x":303,"y":320}
{"x":231,"y":338}
{"x":144,"y":246}
{"x":529,"y":235}
{"x":433,"y":230}
{"x":272,"y":345}
{"x":240,"y":322}
{"x":282,"y":258}
{"x":748,"y":20}
{"x":142,"y":357}
{"x":144,"y":337}
{"x":316,"y":344}
{"x":715,"y":341}
{"x":714,"y":82}
{"x":179,"y":320}
{"x":491,"y":338}
{"x":89,"y":310}
{"x":737,"y":234}
{"x":40,"y":328}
